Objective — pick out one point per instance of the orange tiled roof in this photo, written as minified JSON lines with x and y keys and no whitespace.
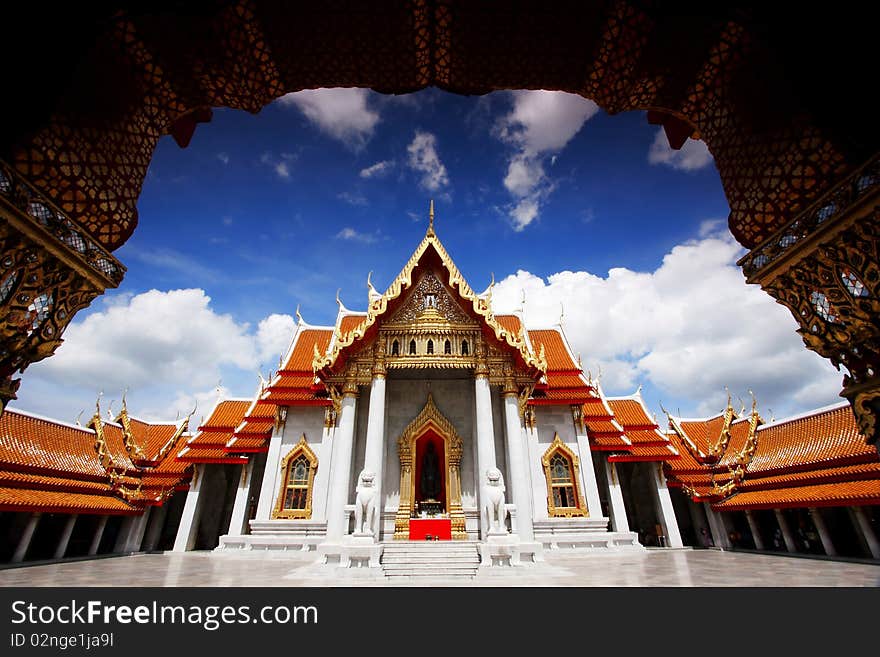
{"x":24,"y":499}
{"x":646,"y":453}
{"x":554,"y":349}
{"x":829,"y":437}
{"x":348,"y":323}
{"x":510,"y":323}
{"x":40,"y":444}
{"x":228,"y":414}
{"x":208,"y":455}
{"x":847,"y":493}
{"x":245,"y":444}
{"x":301,"y":357}
{"x":630,"y":413}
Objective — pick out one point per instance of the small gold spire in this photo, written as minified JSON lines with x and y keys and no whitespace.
{"x":431,"y":218}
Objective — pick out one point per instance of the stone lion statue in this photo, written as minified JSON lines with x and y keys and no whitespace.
{"x":365,"y":503}
{"x":493,"y":501}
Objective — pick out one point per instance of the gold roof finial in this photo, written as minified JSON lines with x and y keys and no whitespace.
{"x":431,"y":218}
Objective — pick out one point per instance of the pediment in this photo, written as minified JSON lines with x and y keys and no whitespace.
{"x":430,"y":302}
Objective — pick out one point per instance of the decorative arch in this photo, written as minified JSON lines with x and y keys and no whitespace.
{"x":429,"y":421}
{"x":298,"y":470}
{"x":562,"y":471}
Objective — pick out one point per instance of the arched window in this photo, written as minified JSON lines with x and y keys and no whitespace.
{"x":430,"y":346}
{"x":447,"y":347}
{"x":561,"y":470}
{"x":395,"y":348}
{"x":412,"y":347}
{"x":464,"y":348}
{"x":298,"y":471}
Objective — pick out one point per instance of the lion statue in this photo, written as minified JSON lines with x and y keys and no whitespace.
{"x":365,"y":503}
{"x":493,"y":501}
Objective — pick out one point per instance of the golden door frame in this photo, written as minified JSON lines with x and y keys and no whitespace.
{"x":430,"y":419}
{"x":569,"y":511}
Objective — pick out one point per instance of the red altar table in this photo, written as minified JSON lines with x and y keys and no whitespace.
{"x":436,"y":528}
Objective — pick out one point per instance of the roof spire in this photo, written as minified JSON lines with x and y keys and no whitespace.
{"x":431,"y":218}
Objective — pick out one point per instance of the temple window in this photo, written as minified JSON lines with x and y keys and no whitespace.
{"x":561,"y":471}
{"x":295,"y":498}
{"x":430,"y":301}
{"x":464,"y":348}
{"x":395,"y":348}
{"x":412,"y":347}
{"x":430,"y":346}
{"x":447,"y":347}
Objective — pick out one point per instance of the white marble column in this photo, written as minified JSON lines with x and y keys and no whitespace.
{"x":619,"y":522}
{"x":25,"y":541}
{"x":588,"y":472}
{"x":374,"y":456}
{"x":664,"y":507}
{"x":154,"y":530}
{"x":485,"y":438}
{"x":270,"y":486}
{"x":64,"y":540}
{"x":824,"y":536}
{"x":518,"y":467}
{"x":138,"y":528}
{"x":343,"y":443}
{"x":121,"y":544}
{"x":716,"y":526}
{"x":238,"y":520}
{"x":863,"y":527}
{"x":189,"y":519}
{"x":787,"y":538}
{"x":753,"y":526}
{"x":99,"y":533}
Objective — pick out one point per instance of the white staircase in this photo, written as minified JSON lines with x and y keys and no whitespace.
{"x":440,"y":559}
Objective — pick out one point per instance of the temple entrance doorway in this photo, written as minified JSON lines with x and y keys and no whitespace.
{"x":430,"y":479}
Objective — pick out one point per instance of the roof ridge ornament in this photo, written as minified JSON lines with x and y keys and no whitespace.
{"x":430,"y":232}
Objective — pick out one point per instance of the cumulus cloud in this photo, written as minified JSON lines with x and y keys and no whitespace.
{"x":538,"y":127}
{"x":692,"y":156}
{"x":691,"y":327}
{"x":377,"y":170}
{"x":423,"y":158}
{"x":162,"y":346}
{"x":342,"y":114}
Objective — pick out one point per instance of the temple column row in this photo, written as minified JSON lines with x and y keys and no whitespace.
{"x":189,"y":519}
{"x":374,"y":457}
{"x":516,"y":462}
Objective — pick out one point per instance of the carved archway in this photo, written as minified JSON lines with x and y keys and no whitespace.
{"x":296,"y":486}
{"x":794,"y":163}
{"x":429,"y":421}
{"x":556,"y":507}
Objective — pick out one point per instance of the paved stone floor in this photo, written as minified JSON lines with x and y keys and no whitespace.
{"x":670,"y":568}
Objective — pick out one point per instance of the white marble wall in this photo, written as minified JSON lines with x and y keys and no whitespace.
{"x":308,"y":420}
{"x":550,"y":421}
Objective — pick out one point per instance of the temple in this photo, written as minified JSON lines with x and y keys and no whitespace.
{"x":428,"y":422}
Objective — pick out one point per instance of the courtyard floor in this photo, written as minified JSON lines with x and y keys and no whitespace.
{"x":657,"y":567}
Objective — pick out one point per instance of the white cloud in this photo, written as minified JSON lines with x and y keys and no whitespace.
{"x":162,"y":346}
{"x":690,"y":328}
{"x":351,"y":234}
{"x":223,"y":157}
{"x":282,"y":170}
{"x":273,"y":337}
{"x":281,"y":166}
{"x":377,"y":170}
{"x":353,"y":199}
{"x":693,"y":155}
{"x":423,"y":158}
{"x":342,"y":114}
{"x":538,"y":127}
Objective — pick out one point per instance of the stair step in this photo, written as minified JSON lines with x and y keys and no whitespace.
{"x":439,"y":559}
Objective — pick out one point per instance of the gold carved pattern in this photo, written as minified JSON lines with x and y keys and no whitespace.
{"x":717,"y":449}
{"x":559,"y":447}
{"x":414,"y":308}
{"x":429,"y":418}
{"x":403,"y":282}
{"x":131,"y":445}
{"x":300,"y":449}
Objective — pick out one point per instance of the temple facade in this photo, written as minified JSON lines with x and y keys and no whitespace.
{"x":429,"y":418}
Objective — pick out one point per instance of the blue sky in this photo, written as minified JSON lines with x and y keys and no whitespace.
{"x":584,"y":213}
